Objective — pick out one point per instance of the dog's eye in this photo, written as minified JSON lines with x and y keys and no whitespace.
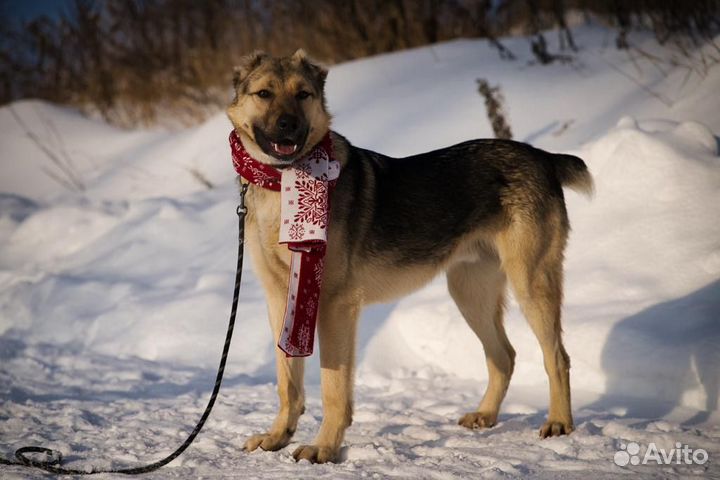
{"x":302,"y":95}
{"x":264,"y":93}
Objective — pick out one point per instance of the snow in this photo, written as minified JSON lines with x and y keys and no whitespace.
{"x":113,"y":301}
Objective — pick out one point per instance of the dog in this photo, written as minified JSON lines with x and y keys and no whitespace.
{"x":484,"y":212}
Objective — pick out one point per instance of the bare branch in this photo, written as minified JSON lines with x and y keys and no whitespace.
{"x":68,"y":177}
{"x":653,"y":93}
{"x":200,"y":177}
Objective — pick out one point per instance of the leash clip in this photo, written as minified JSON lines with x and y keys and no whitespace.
{"x":242,"y":209}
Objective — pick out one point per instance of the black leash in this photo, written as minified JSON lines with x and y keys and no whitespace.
{"x":52,"y":463}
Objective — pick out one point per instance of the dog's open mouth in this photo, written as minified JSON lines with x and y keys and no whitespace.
{"x":284,"y":148}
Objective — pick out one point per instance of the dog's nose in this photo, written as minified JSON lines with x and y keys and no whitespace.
{"x":287,"y":123}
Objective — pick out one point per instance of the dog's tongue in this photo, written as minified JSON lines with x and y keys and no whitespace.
{"x":284,"y":149}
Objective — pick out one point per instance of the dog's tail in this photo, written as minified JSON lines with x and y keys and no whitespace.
{"x":573,"y":173}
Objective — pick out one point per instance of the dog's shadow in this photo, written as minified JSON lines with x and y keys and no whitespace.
{"x":149,"y":386}
{"x":666,"y":352}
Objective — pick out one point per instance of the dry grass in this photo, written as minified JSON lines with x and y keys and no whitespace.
{"x":494,"y":105}
{"x":137,"y":63}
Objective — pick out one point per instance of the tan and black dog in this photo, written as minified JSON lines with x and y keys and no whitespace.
{"x":483,"y":212}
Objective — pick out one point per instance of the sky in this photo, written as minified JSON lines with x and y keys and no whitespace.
{"x":24,"y":10}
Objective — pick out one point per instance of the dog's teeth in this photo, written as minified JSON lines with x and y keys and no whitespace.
{"x":284,"y":149}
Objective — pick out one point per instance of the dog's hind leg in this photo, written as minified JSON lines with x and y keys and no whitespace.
{"x":531,"y":255}
{"x":290,"y":386}
{"x":337,"y":326}
{"x":478,"y":290}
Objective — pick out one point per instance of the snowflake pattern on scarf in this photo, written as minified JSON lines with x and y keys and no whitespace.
{"x":312,"y":202}
{"x":305,"y":338}
{"x":318,"y":270}
{"x":311,"y":305}
{"x":296,"y":231}
{"x":261,"y":177}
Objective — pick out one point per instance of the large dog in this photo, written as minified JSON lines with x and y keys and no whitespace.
{"x":483,"y":212}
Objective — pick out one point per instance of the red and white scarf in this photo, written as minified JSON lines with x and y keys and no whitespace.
{"x":305,"y":189}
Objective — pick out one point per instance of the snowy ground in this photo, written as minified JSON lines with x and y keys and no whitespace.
{"x":113,"y":302}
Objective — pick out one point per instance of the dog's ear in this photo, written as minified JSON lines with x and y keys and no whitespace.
{"x":318,"y":72}
{"x":247,"y":64}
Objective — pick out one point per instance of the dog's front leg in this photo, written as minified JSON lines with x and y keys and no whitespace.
{"x":290,"y":387}
{"x":337,"y":325}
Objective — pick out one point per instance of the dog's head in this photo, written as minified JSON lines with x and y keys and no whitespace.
{"x":279,"y":108}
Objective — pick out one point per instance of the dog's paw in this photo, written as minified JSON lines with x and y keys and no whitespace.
{"x":554,"y":428}
{"x":267,"y":441}
{"x":315,"y":454}
{"x":474,"y":420}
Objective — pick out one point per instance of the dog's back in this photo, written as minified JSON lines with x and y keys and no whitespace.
{"x":420,"y":206}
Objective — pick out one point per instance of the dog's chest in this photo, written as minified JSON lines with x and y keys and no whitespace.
{"x":264,"y":223}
